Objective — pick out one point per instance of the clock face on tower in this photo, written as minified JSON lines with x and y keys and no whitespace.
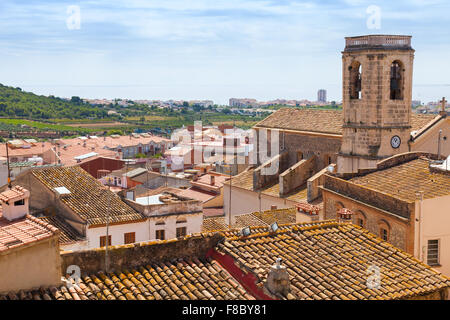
{"x":395,"y":142}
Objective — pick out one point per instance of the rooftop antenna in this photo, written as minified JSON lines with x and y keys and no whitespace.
{"x":7,"y":162}
{"x":107,"y":229}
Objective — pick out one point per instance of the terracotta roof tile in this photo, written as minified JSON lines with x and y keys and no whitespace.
{"x":67,"y":233}
{"x":404,"y":180}
{"x":23,"y":231}
{"x":88,"y":197}
{"x":326,"y":261}
{"x":184,"y":279}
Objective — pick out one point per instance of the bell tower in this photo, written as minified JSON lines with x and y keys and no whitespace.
{"x":377,"y":90}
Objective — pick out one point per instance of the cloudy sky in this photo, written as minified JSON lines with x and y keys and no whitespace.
{"x":209,"y":49}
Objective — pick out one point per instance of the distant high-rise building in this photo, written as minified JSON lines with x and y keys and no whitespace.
{"x":322,"y":95}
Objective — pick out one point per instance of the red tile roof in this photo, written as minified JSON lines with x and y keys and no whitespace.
{"x":14,"y":193}
{"x":23,"y":231}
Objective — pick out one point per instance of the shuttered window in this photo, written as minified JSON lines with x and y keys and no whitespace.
{"x":103,"y":241}
{"x":129,"y":237}
{"x":181,"y":232}
{"x":160,"y":234}
{"x":433,"y":252}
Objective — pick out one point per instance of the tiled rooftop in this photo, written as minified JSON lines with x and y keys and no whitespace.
{"x":280,"y":216}
{"x":404,"y":180}
{"x":321,"y":121}
{"x":67,"y":233}
{"x":88,"y":197}
{"x":186,"y":279}
{"x":329,"y":260}
{"x":255,"y":219}
{"x":13,"y":193}
{"x":23,"y":231}
{"x":325,"y":260}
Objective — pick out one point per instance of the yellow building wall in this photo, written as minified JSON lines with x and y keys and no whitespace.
{"x":32,"y":266}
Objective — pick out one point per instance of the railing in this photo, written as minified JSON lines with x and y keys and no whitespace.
{"x":378,"y":41}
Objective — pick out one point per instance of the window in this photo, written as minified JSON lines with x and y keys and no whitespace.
{"x":360,"y":218}
{"x":129,"y":237}
{"x":355,"y":80}
{"x":384,"y":234}
{"x":19,"y":202}
{"x":160,"y":234}
{"x":396,"y":81}
{"x":181,"y":232}
{"x":433,"y":252}
{"x":103,"y":241}
{"x":361,"y":222}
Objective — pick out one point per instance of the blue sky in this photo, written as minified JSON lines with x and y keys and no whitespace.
{"x":209,"y":49}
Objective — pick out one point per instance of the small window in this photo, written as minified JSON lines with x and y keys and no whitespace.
{"x":129,"y":237}
{"x":397,"y":78}
{"x":181,"y":232}
{"x":433,"y":252}
{"x":19,"y":202}
{"x":355,"y":80}
{"x":361,"y":222}
{"x":103,"y":241}
{"x":160,"y":234}
{"x":384,"y":234}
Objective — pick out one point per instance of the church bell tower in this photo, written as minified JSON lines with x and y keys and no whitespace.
{"x":377,"y":91}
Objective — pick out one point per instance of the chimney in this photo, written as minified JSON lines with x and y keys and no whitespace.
{"x":345,"y":215}
{"x":15,"y":203}
{"x":278,"y":282}
{"x":212,"y":179}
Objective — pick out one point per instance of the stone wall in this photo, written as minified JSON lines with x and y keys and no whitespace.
{"x":268,"y":172}
{"x":296,"y":175}
{"x":377,"y":199}
{"x":135,"y":255}
{"x":400,"y":231}
{"x":314,"y":182}
{"x":312,"y":145}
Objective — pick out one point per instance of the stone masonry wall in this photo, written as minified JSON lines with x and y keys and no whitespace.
{"x":135,"y":255}
{"x":296,"y":175}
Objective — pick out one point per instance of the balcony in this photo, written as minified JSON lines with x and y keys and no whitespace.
{"x":385,"y":42}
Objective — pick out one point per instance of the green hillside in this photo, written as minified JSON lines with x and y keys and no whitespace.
{"x":15,"y":103}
